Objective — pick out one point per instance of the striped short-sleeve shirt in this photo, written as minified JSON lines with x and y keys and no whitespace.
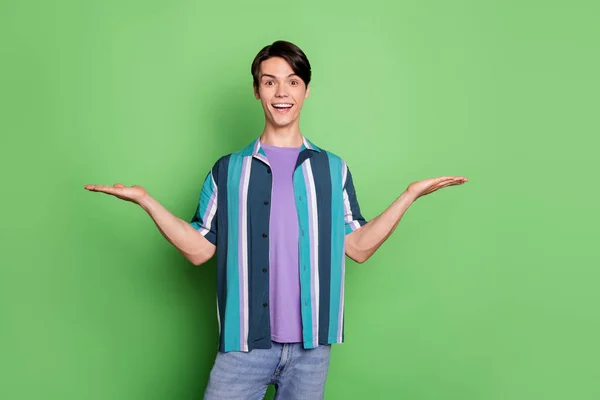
{"x":233,"y":214}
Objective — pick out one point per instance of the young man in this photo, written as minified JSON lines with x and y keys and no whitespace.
{"x":281,"y":215}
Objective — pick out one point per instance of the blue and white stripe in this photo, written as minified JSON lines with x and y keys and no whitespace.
{"x":324,"y":194}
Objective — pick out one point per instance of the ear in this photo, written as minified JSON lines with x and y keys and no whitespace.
{"x":307,"y":91}
{"x":256,"y":94}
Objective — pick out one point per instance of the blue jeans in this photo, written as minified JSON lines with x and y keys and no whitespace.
{"x":295,"y":372}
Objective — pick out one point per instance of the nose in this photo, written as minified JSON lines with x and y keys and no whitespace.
{"x":281,"y":91}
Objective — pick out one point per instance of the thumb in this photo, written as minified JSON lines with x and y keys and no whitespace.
{"x":118,"y":185}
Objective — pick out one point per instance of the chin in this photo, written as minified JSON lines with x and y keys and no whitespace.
{"x":282,"y":123}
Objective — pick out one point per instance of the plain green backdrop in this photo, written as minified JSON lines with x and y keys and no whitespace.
{"x":486,"y":291}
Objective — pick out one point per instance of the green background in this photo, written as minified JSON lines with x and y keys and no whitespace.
{"x":486,"y":291}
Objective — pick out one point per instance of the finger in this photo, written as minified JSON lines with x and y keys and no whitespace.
{"x":451,"y":180}
{"x":442,"y":183}
{"x":104,"y":189}
{"x":452,"y":177}
{"x":442,"y":179}
{"x":92,"y":187}
{"x":439,"y":186}
{"x":450,"y":183}
{"x":118,"y":185}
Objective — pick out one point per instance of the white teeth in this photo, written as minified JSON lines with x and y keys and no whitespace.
{"x":282,"y":105}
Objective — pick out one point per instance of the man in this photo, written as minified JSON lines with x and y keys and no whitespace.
{"x":280,"y":214}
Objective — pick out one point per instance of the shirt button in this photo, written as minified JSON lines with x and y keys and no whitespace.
{"x":268,"y":170}
{"x":302,"y":232}
{"x":265,"y":305}
{"x":264,"y":235}
{"x":300,"y":198}
{"x":266,"y":202}
{"x":264,"y":270}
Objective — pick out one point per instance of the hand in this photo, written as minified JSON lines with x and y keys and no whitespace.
{"x":135,"y":193}
{"x":427,"y":186}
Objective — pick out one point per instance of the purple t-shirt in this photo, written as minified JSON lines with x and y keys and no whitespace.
{"x":284,"y":274}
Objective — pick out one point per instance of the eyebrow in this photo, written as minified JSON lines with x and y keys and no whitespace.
{"x":274,"y":77}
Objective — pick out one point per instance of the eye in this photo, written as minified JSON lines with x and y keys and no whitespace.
{"x":269,"y":83}
{"x":294,"y":82}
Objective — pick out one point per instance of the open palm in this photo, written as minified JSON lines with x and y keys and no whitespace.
{"x":427,"y":186}
{"x":134,"y":193}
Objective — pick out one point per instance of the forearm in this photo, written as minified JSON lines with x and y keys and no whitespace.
{"x":370,"y":237}
{"x":178,"y":232}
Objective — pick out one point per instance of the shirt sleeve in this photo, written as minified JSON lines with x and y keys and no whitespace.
{"x":205,"y":217}
{"x":352,"y":215}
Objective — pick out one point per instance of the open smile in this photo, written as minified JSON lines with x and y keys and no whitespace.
{"x":282,"y":108}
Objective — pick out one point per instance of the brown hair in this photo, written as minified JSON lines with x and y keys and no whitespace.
{"x":291,"y":53}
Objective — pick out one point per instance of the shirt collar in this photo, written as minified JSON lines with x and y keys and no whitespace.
{"x":256,"y":150}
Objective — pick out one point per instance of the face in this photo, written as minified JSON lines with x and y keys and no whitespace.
{"x":281,"y":92}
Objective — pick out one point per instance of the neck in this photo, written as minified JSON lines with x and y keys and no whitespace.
{"x":288,"y":136}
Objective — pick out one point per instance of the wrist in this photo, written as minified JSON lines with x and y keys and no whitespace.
{"x":145,"y":202}
{"x":408,"y":196}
